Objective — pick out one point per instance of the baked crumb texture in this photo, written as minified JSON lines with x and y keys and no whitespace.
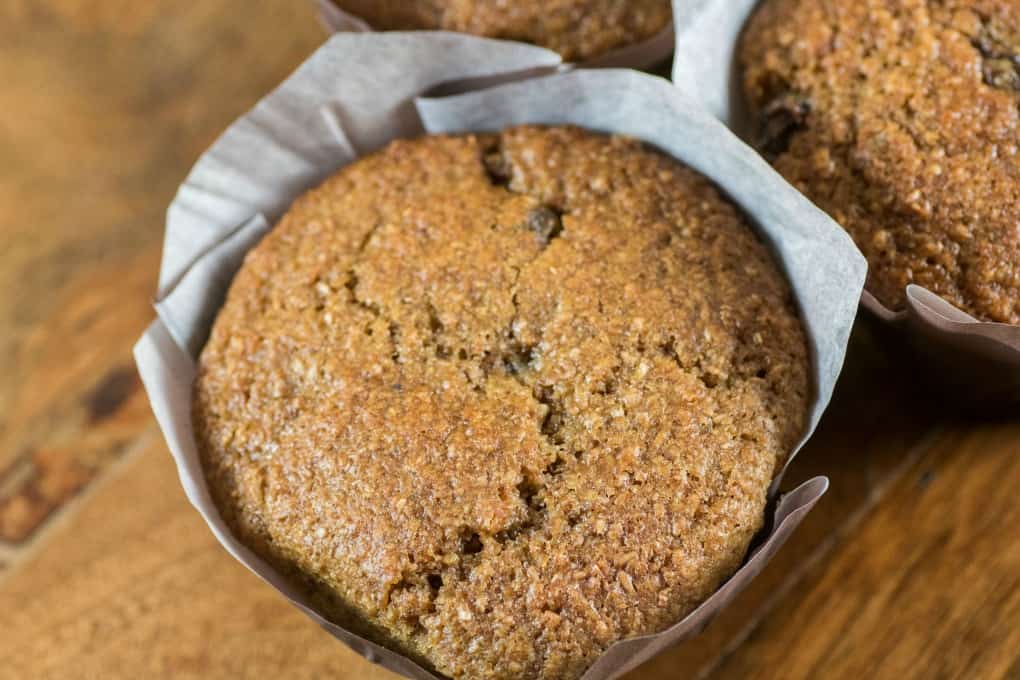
{"x":900,"y":118}
{"x":504,"y":400}
{"x":577,"y":29}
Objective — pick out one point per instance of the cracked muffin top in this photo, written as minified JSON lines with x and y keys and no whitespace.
{"x":577,"y":29}
{"x":499,"y":401}
{"x":900,"y":119}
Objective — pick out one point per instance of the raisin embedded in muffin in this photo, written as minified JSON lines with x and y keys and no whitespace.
{"x":500,"y":401}
{"x":577,"y":29}
{"x":900,"y":119}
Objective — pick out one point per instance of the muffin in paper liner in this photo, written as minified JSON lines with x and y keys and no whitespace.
{"x":642,"y":55}
{"x":331,"y":110}
{"x":976,"y":362}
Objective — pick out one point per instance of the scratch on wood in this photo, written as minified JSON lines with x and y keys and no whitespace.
{"x":113,"y":390}
{"x":35,"y":486}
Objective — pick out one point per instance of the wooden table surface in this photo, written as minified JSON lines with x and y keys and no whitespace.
{"x":909,"y":568}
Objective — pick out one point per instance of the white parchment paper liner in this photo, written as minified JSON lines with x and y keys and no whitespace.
{"x":977,"y":361}
{"x":642,"y":55}
{"x":333,"y":109}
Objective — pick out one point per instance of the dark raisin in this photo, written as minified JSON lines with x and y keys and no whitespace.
{"x":554,"y":418}
{"x":529,"y":490}
{"x":471,"y":544}
{"x":1001,"y":74}
{"x":1000,"y":49}
{"x":497,"y":168}
{"x":545,"y":222}
{"x":781,"y":119}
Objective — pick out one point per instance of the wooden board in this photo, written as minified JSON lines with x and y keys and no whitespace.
{"x":909,"y":568}
{"x":106,"y":105}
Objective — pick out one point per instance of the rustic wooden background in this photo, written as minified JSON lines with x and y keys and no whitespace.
{"x":909,"y":568}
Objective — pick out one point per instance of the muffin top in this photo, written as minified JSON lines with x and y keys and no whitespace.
{"x":577,"y":29}
{"x":502,"y":400}
{"x":900,"y":119}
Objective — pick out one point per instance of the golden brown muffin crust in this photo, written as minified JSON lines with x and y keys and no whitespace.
{"x":505,"y":399}
{"x":577,"y":29}
{"x":900,"y":119}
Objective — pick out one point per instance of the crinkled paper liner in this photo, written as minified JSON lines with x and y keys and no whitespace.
{"x":978,"y":362}
{"x":643,"y":55}
{"x":332,"y":110}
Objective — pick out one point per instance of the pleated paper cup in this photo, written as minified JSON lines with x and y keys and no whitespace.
{"x":332,"y":110}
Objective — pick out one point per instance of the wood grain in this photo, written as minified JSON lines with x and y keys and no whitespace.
{"x":107,"y":104}
{"x":909,"y":568}
{"x":928,"y":587}
{"x":139,"y":588}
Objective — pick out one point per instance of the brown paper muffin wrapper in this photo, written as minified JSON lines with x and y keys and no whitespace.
{"x":975,"y":362}
{"x":332,"y":110}
{"x":642,"y":55}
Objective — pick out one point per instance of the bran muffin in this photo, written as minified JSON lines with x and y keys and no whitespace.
{"x":577,"y":29}
{"x":900,"y":119}
{"x":501,"y":400}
